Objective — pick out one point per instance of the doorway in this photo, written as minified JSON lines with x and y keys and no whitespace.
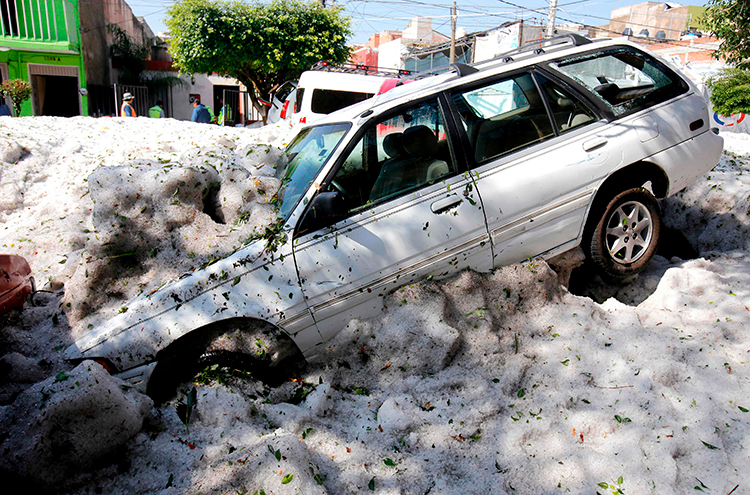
{"x":57,"y":96}
{"x":230,"y":93}
{"x":55,"y":90}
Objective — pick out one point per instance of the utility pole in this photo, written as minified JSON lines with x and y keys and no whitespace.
{"x":453,"y":32}
{"x":551,"y":18}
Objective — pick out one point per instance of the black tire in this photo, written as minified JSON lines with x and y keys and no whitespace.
{"x":272,"y":374}
{"x":187,"y":357}
{"x":626,"y":234}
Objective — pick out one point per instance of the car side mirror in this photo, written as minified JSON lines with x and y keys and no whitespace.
{"x":326,"y":208}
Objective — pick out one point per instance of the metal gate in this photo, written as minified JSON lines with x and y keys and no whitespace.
{"x":231,"y":109}
{"x":101,"y":102}
{"x":141,"y":98}
{"x":236,"y":113}
{"x":165,"y":95}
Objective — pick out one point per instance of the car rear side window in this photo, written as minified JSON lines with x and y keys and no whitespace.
{"x":503,"y":116}
{"x":298,"y":104}
{"x":626,"y":79}
{"x":329,"y":100}
{"x":568,"y":112}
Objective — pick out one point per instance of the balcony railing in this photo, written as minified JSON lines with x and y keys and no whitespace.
{"x":39,"y":20}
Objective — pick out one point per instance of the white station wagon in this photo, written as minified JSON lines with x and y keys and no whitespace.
{"x":567,"y":142}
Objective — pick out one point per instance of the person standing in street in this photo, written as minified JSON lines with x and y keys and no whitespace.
{"x":127,"y":109}
{"x":157,"y":111}
{"x":200,"y":113}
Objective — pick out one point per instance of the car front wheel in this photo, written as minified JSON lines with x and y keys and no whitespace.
{"x":627,"y":234}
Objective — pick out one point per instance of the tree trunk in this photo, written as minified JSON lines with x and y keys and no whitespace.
{"x":252,"y":91}
{"x":260,"y":107}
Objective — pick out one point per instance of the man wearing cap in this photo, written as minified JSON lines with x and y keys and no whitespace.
{"x":127,"y":110}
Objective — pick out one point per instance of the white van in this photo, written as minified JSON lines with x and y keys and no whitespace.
{"x":328,"y":88}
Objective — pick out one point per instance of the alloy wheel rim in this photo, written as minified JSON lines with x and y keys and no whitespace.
{"x":628,"y":233}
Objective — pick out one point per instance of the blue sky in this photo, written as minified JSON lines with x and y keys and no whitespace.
{"x":370,"y":16}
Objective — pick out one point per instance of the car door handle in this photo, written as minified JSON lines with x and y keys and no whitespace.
{"x":595,"y":143}
{"x":445,"y":204}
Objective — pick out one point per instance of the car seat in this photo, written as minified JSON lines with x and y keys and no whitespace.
{"x":417,"y":165}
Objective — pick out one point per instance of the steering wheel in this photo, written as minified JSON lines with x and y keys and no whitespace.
{"x":340,"y":189}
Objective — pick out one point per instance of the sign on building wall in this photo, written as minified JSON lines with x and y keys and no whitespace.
{"x":497,"y":42}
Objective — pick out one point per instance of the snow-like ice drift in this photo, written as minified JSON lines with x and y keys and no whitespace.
{"x":483,"y":383}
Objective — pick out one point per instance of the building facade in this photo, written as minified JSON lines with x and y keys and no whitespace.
{"x":656,"y":20}
{"x":65,"y":52}
{"x":40,"y":43}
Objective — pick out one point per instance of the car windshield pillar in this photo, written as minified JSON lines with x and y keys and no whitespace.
{"x":303,"y":160}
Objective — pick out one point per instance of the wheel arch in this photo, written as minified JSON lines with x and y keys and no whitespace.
{"x":634,"y":175}
{"x":185,"y":350}
{"x":201,"y":337}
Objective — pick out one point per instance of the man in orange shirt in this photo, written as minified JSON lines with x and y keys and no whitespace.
{"x":127,"y":109}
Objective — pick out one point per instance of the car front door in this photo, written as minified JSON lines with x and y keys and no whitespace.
{"x":539,"y":151}
{"x":405,"y":209}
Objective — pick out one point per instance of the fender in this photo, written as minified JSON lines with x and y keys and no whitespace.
{"x":251,"y":283}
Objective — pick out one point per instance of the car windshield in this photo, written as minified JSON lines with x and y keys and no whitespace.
{"x":303,"y":160}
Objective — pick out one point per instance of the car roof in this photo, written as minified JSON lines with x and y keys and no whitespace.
{"x":437,"y":80}
{"x":316,"y":78}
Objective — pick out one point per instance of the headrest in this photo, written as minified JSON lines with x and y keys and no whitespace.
{"x":393,"y":145}
{"x":419,"y":141}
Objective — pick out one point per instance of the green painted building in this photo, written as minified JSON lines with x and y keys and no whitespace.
{"x":40,"y":42}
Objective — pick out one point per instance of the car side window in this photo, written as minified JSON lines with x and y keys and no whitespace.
{"x":568,"y":111}
{"x":398,"y":154}
{"x":329,"y":100}
{"x":624,"y":78}
{"x":503,"y":116}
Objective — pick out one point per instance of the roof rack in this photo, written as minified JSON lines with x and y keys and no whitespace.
{"x":545,"y":45}
{"x":459,"y":68}
{"x":349,"y":68}
{"x":537,"y":47}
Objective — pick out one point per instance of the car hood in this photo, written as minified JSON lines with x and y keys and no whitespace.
{"x":251,"y":283}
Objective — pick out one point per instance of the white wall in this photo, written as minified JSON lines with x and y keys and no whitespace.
{"x":496,"y":42}
{"x":200,"y":84}
{"x":390,"y":55}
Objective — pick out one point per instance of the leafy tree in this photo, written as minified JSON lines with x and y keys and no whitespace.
{"x":729,"y":20}
{"x":261,"y":45}
{"x":130,"y":55}
{"x":18,"y":91}
{"x":730,"y":91}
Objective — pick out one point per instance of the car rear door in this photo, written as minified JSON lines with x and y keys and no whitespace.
{"x":409,"y":210}
{"x":539,"y":150}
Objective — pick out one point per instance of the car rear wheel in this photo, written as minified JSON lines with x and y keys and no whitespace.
{"x":626,"y":234}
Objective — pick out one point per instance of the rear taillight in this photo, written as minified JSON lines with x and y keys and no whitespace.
{"x":105,"y":364}
{"x":284,"y":109}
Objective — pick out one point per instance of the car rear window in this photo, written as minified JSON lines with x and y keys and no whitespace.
{"x":329,"y":100}
{"x":626,"y":79}
{"x":284,"y":91}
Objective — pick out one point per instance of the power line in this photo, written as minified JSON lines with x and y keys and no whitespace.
{"x":586,"y":15}
{"x":666,"y":42}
